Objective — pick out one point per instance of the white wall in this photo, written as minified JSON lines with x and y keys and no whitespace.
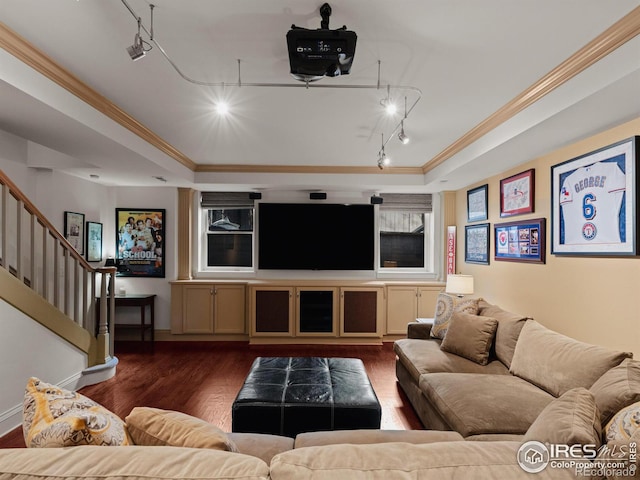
{"x":27,"y":350}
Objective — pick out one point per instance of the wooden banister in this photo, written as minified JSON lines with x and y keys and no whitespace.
{"x":67,"y":281}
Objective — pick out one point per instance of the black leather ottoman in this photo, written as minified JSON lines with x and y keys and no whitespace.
{"x":287,"y":396}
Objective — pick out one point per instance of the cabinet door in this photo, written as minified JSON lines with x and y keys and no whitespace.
{"x":360,"y":311}
{"x":197,"y":309}
{"x":316,"y":311}
{"x":402,"y":308}
{"x":427,"y":297}
{"x":271,"y":311}
{"x":229,"y":309}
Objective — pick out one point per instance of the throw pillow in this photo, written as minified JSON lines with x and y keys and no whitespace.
{"x":470,"y":336}
{"x":155,"y":427}
{"x":507,"y":333}
{"x":557,"y":363}
{"x":445,"y":306}
{"x":617,"y":388}
{"x":55,"y":417}
{"x":624,"y":424}
{"x":570,"y":419}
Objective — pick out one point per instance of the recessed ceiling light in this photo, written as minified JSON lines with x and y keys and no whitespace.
{"x":222,"y":108}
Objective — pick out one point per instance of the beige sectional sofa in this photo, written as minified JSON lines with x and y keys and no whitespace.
{"x":528,"y":366}
{"x":527,"y":386}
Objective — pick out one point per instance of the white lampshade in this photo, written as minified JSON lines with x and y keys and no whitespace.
{"x":459,"y":284}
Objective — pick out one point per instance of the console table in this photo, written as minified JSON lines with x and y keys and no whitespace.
{"x":141,"y":300}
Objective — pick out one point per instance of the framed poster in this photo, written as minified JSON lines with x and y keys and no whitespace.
{"x":476,"y":245}
{"x":520,"y":241}
{"x":74,"y":230}
{"x":517,"y":194}
{"x":94,"y":242}
{"x":477,"y":201}
{"x":140,"y":242}
{"x":594,"y":202}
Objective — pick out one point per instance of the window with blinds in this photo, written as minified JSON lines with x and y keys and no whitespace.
{"x":229,"y":229}
{"x":404,"y":223}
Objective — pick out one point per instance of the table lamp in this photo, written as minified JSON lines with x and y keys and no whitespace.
{"x":459,"y":285}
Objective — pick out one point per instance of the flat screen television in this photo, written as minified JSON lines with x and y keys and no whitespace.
{"x":308,"y":236}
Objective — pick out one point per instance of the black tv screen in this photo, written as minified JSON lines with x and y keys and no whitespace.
{"x":307,"y":236}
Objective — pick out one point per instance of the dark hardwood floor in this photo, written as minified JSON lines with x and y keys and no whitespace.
{"x":203,"y":378}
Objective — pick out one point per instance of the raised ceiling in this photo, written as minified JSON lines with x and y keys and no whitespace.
{"x":469,"y":59}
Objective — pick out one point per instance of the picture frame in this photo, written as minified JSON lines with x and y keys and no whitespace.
{"x":94,"y":242}
{"x":476,"y":245}
{"x":140,"y":242}
{"x":517,"y":194}
{"x":594,"y":202}
{"x":522,"y":241}
{"x":74,"y":230}
{"x":477,"y":203}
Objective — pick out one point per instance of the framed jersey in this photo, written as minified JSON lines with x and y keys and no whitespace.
{"x":594,"y":202}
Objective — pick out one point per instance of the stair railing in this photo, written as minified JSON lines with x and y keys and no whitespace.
{"x":36,"y":253}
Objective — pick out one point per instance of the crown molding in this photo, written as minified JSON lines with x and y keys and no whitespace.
{"x":339,"y":170}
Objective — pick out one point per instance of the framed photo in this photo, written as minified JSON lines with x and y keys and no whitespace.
{"x":594,"y":202}
{"x":517,"y":194}
{"x":94,"y":242}
{"x":477,"y":201}
{"x":74,"y":230}
{"x":521,"y":241}
{"x":476,"y":245}
{"x":140,"y":242}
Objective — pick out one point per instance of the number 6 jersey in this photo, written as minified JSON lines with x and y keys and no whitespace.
{"x":590,"y":199}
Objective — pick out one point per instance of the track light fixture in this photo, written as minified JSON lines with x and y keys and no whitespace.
{"x":404,"y":139}
{"x":383,"y":160}
{"x":138,"y":50}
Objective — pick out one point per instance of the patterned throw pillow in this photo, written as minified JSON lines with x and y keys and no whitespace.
{"x":445,"y":306}
{"x":624,"y":424}
{"x":55,"y":417}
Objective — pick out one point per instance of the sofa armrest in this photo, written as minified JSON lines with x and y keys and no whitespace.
{"x":420,"y":330}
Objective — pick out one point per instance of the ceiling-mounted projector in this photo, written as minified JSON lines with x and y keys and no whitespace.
{"x":314,"y":54}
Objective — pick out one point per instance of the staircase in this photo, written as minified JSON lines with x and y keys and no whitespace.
{"x":44,"y":277}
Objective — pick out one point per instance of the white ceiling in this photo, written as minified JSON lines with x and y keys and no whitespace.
{"x":468,"y":58}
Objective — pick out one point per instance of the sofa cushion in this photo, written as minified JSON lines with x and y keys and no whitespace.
{"x":557,"y":363}
{"x":445,"y":306}
{"x":403,"y":461}
{"x":130,"y":463}
{"x":470,"y":336}
{"x":153,"y":427}
{"x":624,"y":424}
{"x":508,"y":331}
{"x":570,"y":419}
{"x":55,"y":417}
{"x":501,"y":403}
{"x":425,"y":356}
{"x":262,"y":445}
{"x":361,"y":437}
{"x":617,"y":388}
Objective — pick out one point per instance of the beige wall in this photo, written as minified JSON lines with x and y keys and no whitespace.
{"x":593,"y":299}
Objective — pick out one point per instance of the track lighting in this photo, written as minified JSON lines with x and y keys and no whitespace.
{"x":404,"y":139}
{"x":383,"y":160}
{"x":138,"y":50}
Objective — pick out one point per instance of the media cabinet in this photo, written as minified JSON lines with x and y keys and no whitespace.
{"x":295,"y":311}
